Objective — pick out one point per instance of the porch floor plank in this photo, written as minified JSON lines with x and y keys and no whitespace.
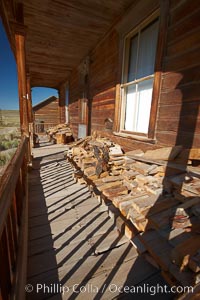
{"x":73,"y":242}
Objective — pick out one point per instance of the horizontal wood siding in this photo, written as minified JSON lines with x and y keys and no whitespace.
{"x":128,"y":144}
{"x":178,"y":115}
{"x":103,"y":79}
{"x":48,"y":113}
{"x":102,"y":109}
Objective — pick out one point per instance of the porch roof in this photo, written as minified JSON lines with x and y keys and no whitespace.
{"x":60,"y":34}
{"x":44,"y":102}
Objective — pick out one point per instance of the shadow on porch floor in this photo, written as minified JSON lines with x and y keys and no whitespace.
{"x":74,"y":250}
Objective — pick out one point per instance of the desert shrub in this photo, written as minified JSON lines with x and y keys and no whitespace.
{"x":5,"y":145}
{"x":2,"y":147}
{"x":5,"y":156}
{"x":15,"y":143}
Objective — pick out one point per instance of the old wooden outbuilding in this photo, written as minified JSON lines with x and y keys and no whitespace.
{"x":46,"y":114}
{"x":130,"y":70}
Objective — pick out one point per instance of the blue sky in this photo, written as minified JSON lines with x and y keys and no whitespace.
{"x":8,"y":78}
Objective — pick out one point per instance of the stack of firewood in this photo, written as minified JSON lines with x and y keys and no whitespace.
{"x":60,"y":134}
{"x":155,"y":193}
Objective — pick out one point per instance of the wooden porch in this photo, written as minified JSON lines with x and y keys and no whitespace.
{"x":74,"y":246}
{"x":82,"y":49}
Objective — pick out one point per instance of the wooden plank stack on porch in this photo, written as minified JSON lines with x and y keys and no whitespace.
{"x":60,"y":134}
{"x":164,"y":218}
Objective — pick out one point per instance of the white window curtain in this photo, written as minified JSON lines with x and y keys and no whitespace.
{"x":147,"y":51}
{"x":138,"y":106}
{"x":138,"y":95}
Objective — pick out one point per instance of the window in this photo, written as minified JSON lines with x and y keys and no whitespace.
{"x":83,"y":111}
{"x":138,"y":77}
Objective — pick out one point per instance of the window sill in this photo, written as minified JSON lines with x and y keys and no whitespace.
{"x":135,"y":137}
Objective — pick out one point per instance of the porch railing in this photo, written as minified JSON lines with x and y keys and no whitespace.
{"x":14,"y":225}
{"x":42,"y":127}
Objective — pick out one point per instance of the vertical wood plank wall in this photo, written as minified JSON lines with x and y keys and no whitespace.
{"x":178,"y":118}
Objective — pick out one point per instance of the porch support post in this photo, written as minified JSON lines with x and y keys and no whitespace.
{"x":30,"y":111}
{"x":21,"y":70}
{"x":62,"y":101}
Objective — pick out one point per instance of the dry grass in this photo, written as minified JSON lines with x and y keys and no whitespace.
{"x":9,"y":118}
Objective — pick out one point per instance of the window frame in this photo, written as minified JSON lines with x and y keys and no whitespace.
{"x":125,"y":66}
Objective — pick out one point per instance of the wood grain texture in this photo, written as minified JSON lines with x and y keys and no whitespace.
{"x":60,"y":34}
{"x":178,"y":113}
{"x":47,"y":111}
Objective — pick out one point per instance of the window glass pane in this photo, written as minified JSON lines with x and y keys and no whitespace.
{"x":147,"y":50}
{"x":132,"y":58}
{"x":144,"y":97}
{"x":130,"y":109}
{"x":138,"y":106}
{"x":138,"y":96}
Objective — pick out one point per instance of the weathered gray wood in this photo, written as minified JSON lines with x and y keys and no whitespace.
{"x":112,"y":240}
{"x":168,"y":153}
{"x":62,"y":244}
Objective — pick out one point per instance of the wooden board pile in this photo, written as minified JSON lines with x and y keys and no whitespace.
{"x":157,"y":195}
{"x":60,"y":134}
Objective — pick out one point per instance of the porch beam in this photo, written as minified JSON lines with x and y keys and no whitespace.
{"x":62,"y":101}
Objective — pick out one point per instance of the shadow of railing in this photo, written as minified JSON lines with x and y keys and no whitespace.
{"x":41,"y":256}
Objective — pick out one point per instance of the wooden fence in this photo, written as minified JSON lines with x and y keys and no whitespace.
{"x":14,"y":225}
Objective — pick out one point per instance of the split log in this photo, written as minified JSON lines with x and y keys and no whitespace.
{"x":139,"y":221}
{"x":109,"y":185}
{"x":115,"y":191}
{"x":117,"y":200}
{"x":115,"y":151}
{"x":60,"y":138}
{"x":153,"y":204}
{"x":181,"y":254}
{"x":90,"y":171}
{"x":88,"y":162}
{"x":130,"y":184}
{"x":128,"y":175}
{"x":112,"y":179}
{"x":194,"y":262}
{"x":168,"y":153}
{"x":137,"y":152}
{"x":95,"y":177}
{"x":158,"y":247}
{"x":142,"y":168}
{"x":118,"y":162}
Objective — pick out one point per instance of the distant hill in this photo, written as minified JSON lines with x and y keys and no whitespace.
{"x":9,"y":118}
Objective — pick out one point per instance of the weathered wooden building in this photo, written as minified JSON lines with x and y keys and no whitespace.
{"x":144,"y":76}
{"x":46,"y":114}
{"x":135,"y":63}
{"x":131,"y":69}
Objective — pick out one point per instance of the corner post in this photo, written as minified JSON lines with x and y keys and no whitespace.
{"x":62,"y":100}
